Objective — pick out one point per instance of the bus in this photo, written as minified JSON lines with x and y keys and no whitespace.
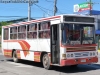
{"x":62,"y":40}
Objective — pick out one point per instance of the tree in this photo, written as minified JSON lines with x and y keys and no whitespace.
{"x":3,"y":24}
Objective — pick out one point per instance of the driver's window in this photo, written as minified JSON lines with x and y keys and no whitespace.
{"x":88,"y":37}
{"x":88,"y":31}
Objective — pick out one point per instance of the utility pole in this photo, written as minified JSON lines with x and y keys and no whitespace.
{"x":90,"y":7}
{"x":29,"y":10}
{"x":55,"y":8}
{"x":30,"y":3}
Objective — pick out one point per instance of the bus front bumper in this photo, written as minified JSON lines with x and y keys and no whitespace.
{"x":68,"y":62}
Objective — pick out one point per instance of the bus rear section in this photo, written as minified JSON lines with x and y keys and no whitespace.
{"x":78,"y":44}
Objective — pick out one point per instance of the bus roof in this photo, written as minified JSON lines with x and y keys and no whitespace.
{"x":33,"y":21}
{"x":76,"y":15}
{"x":45,"y":19}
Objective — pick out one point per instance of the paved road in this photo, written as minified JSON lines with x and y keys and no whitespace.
{"x":8,"y":67}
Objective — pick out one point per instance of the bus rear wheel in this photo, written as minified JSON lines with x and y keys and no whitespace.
{"x":15,"y":59}
{"x":46,"y":62}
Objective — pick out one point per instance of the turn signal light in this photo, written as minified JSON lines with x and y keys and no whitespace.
{"x":64,"y":56}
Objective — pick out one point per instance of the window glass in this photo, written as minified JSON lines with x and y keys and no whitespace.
{"x":78,"y":33}
{"x":32,"y":31}
{"x":22,"y":32}
{"x":44,"y":30}
{"x":6,"y":34}
{"x":13,"y":33}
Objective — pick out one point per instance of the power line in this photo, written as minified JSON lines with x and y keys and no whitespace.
{"x":13,"y":16}
{"x":42,"y":9}
{"x":50,"y":10}
{"x":49,"y":1}
{"x":60,"y":11}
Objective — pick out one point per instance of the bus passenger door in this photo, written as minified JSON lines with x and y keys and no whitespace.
{"x":55,"y":47}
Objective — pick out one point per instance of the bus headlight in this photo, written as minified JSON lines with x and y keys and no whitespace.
{"x":72,"y":55}
{"x":90,"y":53}
{"x":68,"y":55}
{"x":94,"y":53}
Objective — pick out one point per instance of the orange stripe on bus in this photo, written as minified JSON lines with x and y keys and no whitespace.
{"x":8,"y":53}
{"x":12,"y":40}
{"x":37,"y":56}
{"x":23,"y":44}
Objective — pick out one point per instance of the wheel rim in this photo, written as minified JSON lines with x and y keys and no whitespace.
{"x":45,"y":61}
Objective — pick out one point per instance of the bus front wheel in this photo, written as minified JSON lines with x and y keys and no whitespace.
{"x":46,"y":62}
{"x":15,"y":59}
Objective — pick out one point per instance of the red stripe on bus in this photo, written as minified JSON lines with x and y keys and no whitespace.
{"x":78,"y":50}
{"x":54,"y":17}
{"x":74,"y":62}
{"x":18,"y":51}
{"x":51,"y":18}
{"x":77,"y":46}
{"x":12,"y":40}
{"x":7,"y":50}
{"x":37,"y":53}
{"x":37,"y":56}
{"x":18,"y":54}
{"x":45,"y":19}
{"x":8,"y":53}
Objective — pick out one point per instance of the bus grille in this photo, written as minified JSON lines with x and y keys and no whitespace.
{"x":81,"y":54}
{"x":81,"y":49}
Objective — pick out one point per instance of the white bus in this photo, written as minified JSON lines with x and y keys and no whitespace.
{"x":63,"y":40}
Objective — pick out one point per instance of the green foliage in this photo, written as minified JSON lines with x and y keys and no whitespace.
{"x":3,"y":24}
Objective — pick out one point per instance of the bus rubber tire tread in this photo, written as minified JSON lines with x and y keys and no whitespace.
{"x":48,"y":67}
{"x":15,"y":59}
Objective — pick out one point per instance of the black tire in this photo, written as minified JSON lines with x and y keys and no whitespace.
{"x":46,"y":62}
{"x":15,"y":59}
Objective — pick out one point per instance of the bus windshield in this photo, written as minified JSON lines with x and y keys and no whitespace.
{"x":78,"y":34}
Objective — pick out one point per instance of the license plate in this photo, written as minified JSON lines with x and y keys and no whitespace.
{"x":83,"y":60}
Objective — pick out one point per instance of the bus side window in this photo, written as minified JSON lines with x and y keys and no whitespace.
{"x":22,"y":32}
{"x":44,"y":30}
{"x":32,"y":31}
{"x":6,"y":34}
{"x":13,"y":33}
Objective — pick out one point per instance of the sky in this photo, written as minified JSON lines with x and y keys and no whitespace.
{"x":43,"y":8}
